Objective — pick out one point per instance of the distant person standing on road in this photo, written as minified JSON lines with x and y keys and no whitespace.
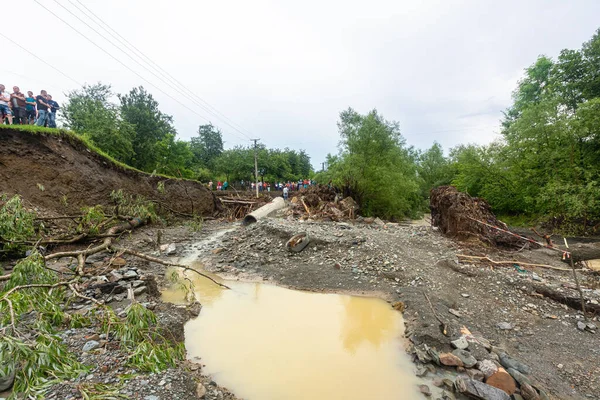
{"x":18,"y":106}
{"x":5,"y":111}
{"x":30,"y":110}
{"x":285,"y":193}
{"x":41,"y":101}
{"x":54,"y":107}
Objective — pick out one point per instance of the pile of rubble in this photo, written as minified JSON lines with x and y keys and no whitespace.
{"x":322,"y":203}
{"x":461,"y":216}
{"x":483,"y":371}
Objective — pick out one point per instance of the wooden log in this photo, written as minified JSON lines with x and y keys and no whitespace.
{"x":584,"y":252}
{"x":570,"y":299}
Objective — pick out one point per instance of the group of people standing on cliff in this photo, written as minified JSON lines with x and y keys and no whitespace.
{"x":18,"y":108}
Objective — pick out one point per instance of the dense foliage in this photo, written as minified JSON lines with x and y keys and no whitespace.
{"x":374,"y":166}
{"x":547,"y":163}
{"x":137,"y":133}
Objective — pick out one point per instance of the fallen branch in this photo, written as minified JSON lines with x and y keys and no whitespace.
{"x":4,"y":277}
{"x":443,"y":325}
{"x":512,"y":262}
{"x":166,"y":263}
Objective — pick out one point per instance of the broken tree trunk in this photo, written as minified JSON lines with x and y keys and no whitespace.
{"x":584,"y":252}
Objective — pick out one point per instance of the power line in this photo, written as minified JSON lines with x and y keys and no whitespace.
{"x":41,"y":59}
{"x":154,"y":65}
{"x":131,"y":58}
{"x":121,"y":62}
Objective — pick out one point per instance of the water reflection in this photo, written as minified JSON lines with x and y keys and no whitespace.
{"x":365,"y":323}
{"x":266,"y":342}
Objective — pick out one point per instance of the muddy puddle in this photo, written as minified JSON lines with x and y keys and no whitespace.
{"x":266,"y":342}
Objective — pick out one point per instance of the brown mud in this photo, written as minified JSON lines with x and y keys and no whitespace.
{"x":60,"y":176}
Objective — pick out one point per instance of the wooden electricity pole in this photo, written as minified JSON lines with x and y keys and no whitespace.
{"x":256,"y":166}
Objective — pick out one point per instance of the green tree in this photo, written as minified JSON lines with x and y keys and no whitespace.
{"x":89,"y":112}
{"x":207,"y":146}
{"x":433,"y":169}
{"x":151,"y":127}
{"x":374,"y":166}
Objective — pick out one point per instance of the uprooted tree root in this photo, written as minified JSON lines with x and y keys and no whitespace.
{"x":460,"y":216}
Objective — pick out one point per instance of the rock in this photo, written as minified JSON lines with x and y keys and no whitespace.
{"x":90,"y":345}
{"x":195,"y":308}
{"x":519,"y":377}
{"x":529,"y":393}
{"x":581,"y":325}
{"x":535,"y":277}
{"x":200,"y":391}
{"x":517,"y":396}
{"x":465,"y":295}
{"x":450,"y":360}
{"x":502,"y":380}
{"x":505,"y":326}
{"x":151,"y":397}
{"x":139,"y":290}
{"x":591,"y":326}
{"x":479,"y":390}
{"x":479,"y":351}
{"x":399,"y":306}
{"x":421,"y":371}
{"x":6,"y":381}
{"x":130,"y":274}
{"x":218,"y":250}
{"x":378,"y":221}
{"x":425,"y":390}
{"x":422,"y":355}
{"x":487,"y":367}
{"x":114,"y":276}
{"x":475,"y":374}
{"x":480,"y":340}
{"x":460,"y":343}
{"x":508,"y":362}
{"x":168,"y":249}
{"x":455,"y":313}
{"x":118,"y":262}
{"x":467,"y":359}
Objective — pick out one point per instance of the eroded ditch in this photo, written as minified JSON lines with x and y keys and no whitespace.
{"x":267,"y":342}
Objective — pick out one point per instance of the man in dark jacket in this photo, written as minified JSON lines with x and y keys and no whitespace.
{"x":53,"y":109}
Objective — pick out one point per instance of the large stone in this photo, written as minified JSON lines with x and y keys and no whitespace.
{"x":479,"y":351}
{"x":503,"y":381}
{"x":467,"y":359}
{"x":529,"y":393}
{"x":479,"y":390}
{"x":90,"y":345}
{"x":425,"y":390}
{"x":508,"y":362}
{"x":488,"y":367}
{"x":460,"y":343}
{"x":475,"y":374}
{"x":200,"y":391}
{"x":450,"y":360}
{"x":519,"y":377}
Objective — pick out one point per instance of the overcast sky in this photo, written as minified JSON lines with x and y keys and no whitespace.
{"x":282,"y":70}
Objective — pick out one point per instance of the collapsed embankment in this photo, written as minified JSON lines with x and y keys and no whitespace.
{"x":60,"y":174}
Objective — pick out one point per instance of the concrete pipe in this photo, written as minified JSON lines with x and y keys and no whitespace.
{"x":277,"y":204}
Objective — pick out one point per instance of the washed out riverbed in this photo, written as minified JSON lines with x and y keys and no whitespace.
{"x":267,"y":342}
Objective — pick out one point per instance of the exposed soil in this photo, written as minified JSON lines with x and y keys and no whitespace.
{"x":401,"y":263}
{"x":60,"y":176}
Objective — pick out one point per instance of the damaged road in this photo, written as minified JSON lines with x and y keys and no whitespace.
{"x":417,"y":266}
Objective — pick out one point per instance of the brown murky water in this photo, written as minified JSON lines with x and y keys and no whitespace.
{"x":265,"y":342}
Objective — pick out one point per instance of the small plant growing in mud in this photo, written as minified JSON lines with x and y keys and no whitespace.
{"x":196,"y":223}
{"x":16,"y":224}
{"x":129,"y":205}
{"x":161,"y":187}
{"x":91,"y":221}
{"x":64,"y":201}
{"x":41,"y":187}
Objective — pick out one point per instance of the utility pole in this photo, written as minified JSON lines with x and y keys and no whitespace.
{"x":255,"y":165}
